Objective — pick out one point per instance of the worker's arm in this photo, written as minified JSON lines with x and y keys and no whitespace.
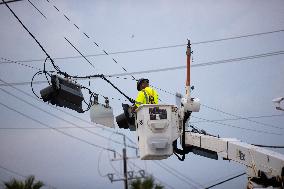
{"x":139,"y":100}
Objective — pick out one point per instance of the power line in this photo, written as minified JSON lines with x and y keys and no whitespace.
{"x":229,"y":125}
{"x":44,"y":128}
{"x":267,"y":146}
{"x":13,"y":172}
{"x":20,"y":175}
{"x":178,"y":175}
{"x":46,"y":125}
{"x":104,"y":128}
{"x":236,"y":116}
{"x":79,"y":52}
{"x":230,"y":60}
{"x":158,"y":48}
{"x":240,"y":117}
{"x":88,"y":37}
{"x":60,"y":118}
{"x":14,"y":62}
{"x":242,"y":58}
{"x":164,"y":183}
{"x":56,"y":67}
{"x":211,"y":63}
{"x":11,"y":1}
{"x":37,"y":9}
{"x":225,"y":180}
{"x":38,"y":43}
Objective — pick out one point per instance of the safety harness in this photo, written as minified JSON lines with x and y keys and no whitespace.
{"x":149,"y":98}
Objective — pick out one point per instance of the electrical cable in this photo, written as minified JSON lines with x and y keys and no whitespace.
{"x":158,"y":48}
{"x":11,"y":1}
{"x":14,"y":62}
{"x":108,"y":144}
{"x":226,"y":180}
{"x":86,"y":58}
{"x":88,"y":36}
{"x":162,"y":182}
{"x":37,"y":9}
{"x":79,"y":118}
{"x":173,"y":68}
{"x":181,"y":174}
{"x":99,"y":162}
{"x":178,"y":175}
{"x":233,"y":126}
{"x":222,"y":178}
{"x":48,"y":56}
{"x":46,"y":125}
{"x":13,"y":172}
{"x":60,"y":118}
{"x":14,"y":14}
{"x":240,"y":117}
{"x":79,"y":52}
{"x":21,"y":175}
{"x":106,"y":53}
{"x":267,"y":146}
{"x":228,"y":114}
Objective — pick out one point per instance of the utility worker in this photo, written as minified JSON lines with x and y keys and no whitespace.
{"x":146,"y":94}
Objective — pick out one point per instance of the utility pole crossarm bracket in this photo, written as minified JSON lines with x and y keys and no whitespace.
{"x":256,"y":159}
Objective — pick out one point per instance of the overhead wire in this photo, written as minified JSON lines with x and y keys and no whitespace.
{"x":224,"y":61}
{"x":268,"y":146}
{"x":21,"y":175}
{"x":234,"y":116}
{"x":11,"y":1}
{"x":159,"y":48}
{"x":21,"y":64}
{"x":178,"y":175}
{"x":38,"y":43}
{"x":222,"y":182}
{"x":222,"y":178}
{"x":67,"y":113}
{"x":59,"y":131}
{"x":242,"y":128}
{"x":37,"y":9}
{"x":58,"y":69}
{"x":79,"y":52}
{"x":162,"y":182}
{"x":242,"y":58}
{"x":88,"y":37}
{"x":62,"y":119}
{"x":109,"y":159}
{"x":240,"y":117}
{"x":13,"y":172}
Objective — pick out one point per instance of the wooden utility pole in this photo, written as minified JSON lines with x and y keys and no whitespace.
{"x":125,"y":163}
{"x":125,"y":168}
{"x":126,"y":177}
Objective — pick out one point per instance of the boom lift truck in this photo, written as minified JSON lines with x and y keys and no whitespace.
{"x":159,"y":127}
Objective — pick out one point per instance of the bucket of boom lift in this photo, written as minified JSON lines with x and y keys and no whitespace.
{"x":157,"y":128}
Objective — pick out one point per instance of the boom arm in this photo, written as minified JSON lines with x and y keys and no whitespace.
{"x":263,"y":166}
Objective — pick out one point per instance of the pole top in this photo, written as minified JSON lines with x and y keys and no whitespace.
{"x":188,"y":43}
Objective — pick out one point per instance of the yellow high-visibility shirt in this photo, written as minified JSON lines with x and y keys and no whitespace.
{"x":147,"y":96}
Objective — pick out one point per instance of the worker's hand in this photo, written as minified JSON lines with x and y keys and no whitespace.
{"x":133,"y":109}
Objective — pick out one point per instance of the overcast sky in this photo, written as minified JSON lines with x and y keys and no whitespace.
{"x":240,"y":88}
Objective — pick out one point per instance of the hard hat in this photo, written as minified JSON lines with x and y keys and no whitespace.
{"x":140,"y":81}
